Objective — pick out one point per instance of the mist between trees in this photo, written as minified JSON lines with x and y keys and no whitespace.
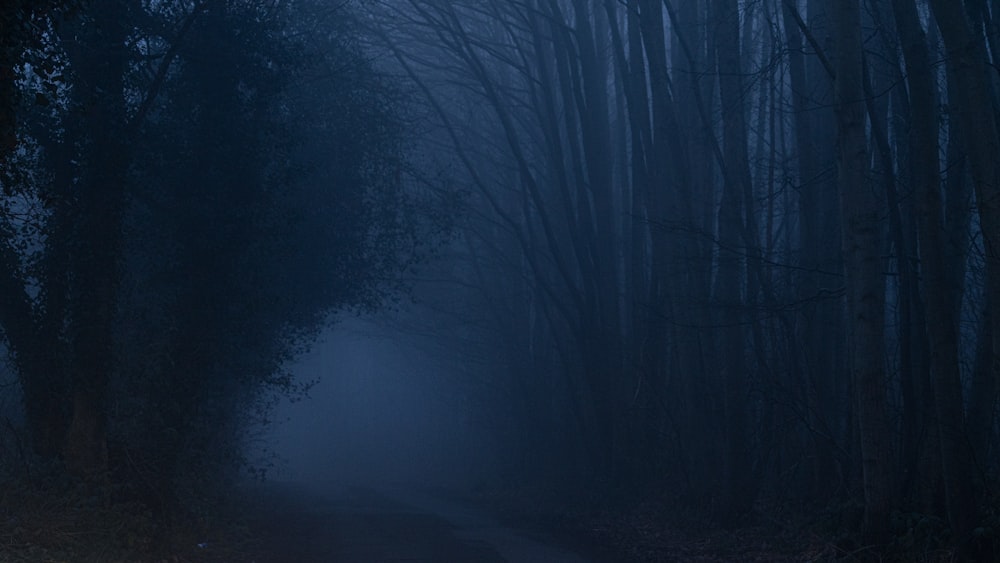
{"x":736,"y":250}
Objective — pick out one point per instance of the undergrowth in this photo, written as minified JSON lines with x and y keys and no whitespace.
{"x":51,"y":522}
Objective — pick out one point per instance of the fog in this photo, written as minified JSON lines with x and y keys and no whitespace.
{"x":736,"y":261}
{"x":379,"y":414}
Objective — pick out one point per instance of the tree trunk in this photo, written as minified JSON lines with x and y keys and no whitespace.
{"x":740,"y":491}
{"x":863,"y":263}
{"x":972,"y":104}
{"x":942,"y":298}
{"x":101,"y":64}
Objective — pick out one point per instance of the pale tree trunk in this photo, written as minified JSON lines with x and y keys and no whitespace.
{"x":862,"y":235}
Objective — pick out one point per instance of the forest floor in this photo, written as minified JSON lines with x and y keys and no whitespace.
{"x":77,"y":523}
{"x":277,"y":523}
{"x":651,"y":531}
{"x":361,"y":525}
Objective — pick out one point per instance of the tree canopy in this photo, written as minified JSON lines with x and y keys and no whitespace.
{"x":205,"y":184}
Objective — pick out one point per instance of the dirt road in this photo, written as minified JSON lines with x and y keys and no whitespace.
{"x":361,"y":525}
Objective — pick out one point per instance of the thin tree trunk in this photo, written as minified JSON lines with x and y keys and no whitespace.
{"x":972,"y":103}
{"x":942,"y":298}
{"x":863,"y":263}
{"x":740,"y":491}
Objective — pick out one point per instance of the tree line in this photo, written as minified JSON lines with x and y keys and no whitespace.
{"x":190,"y":190}
{"x":739,"y":249}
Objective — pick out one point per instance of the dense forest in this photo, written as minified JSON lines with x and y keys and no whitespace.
{"x":737,"y":254}
{"x":190,"y":190}
{"x":742,"y":250}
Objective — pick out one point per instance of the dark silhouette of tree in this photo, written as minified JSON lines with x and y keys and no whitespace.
{"x":741,"y":251}
{"x":219,"y":179}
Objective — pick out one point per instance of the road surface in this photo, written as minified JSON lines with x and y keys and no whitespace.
{"x":361,"y":525}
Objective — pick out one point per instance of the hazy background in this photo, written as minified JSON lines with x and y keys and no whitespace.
{"x":379,"y":414}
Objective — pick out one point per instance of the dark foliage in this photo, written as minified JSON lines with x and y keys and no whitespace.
{"x":169,"y":249}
